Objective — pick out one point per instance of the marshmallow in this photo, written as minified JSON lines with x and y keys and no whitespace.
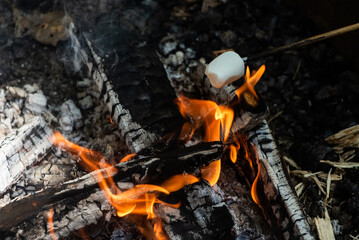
{"x":224,"y":69}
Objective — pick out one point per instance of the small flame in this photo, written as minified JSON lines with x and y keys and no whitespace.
{"x":157,"y":228}
{"x":138,"y":200}
{"x":50,"y":223}
{"x":128,"y":157}
{"x":233,"y":153}
{"x":255,"y":182}
{"x":250,"y":81}
{"x":216,"y":121}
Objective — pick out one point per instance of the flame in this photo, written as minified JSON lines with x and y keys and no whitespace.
{"x":250,"y":81}
{"x":138,"y":200}
{"x":255,"y":182}
{"x":233,"y":153}
{"x":128,"y":157}
{"x":50,"y":224}
{"x":157,"y":228}
{"x":216,"y":121}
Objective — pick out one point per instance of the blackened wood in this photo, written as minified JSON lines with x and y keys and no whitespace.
{"x":248,"y":216}
{"x":134,"y":85}
{"x":22,"y":148}
{"x":281,"y":203}
{"x":203,"y":216}
{"x":69,"y":216}
{"x":148,"y":169}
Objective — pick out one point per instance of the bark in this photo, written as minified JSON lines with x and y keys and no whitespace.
{"x":280,"y":202}
{"x":134,"y":85}
{"x":21,"y":149}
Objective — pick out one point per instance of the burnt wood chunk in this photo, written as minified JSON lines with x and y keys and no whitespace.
{"x":134,"y":84}
{"x":22,"y":148}
{"x":205,"y":216}
{"x":154,"y":169}
{"x":280,"y":202}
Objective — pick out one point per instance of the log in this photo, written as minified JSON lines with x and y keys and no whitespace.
{"x":148,"y":170}
{"x":133,"y":83}
{"x":70,"y":216}
{"x":204,"y":215}
{"x":21,"y":149}
{"x":280,"y":204}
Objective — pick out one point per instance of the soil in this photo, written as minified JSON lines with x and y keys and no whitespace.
{"x":312,"y":92}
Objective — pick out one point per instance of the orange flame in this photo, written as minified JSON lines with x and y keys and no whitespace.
{"x":157,"y":228}
{"x":138,"y":200}
{"x":50,"y":224}
{"x":250,"y":81}
{"x":217,"y":122}
{"x":128,"y":157}
{"x":233,"y":153}
{"x":255,"y":182}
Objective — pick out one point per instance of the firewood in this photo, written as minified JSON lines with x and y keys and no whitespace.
{"x":134,"y":85}
{"x":203,"y":214}
{"x":288,"y":221}
{"x":148,"y":169}
{"x":22,"y":148}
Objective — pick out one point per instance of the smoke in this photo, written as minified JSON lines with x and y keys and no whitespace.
{"x":72,"y":52}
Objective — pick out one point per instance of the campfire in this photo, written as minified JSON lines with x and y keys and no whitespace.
{"x":158,"y":145}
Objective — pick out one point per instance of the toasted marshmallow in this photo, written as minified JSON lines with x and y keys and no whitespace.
{"x":224,"y":69}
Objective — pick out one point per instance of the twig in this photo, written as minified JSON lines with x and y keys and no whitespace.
{"x":305,"y":42}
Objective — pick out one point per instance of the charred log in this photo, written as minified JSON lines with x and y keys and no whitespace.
{"x":147,"y":170}
{"x":289,"y":222}
{"x":134,"y":84}
{"x":22,"y":148}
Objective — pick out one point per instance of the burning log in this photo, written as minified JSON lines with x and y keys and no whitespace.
{"x":204,"y":215}
{"x":134,"y":85}
{"x":146,"y":170}
{"x":290,"y":221}
{"x":22,"y":148}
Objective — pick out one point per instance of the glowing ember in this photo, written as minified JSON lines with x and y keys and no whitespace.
{"x":50,"y":223}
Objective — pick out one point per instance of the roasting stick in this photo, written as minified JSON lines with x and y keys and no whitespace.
{"x":304,"y":42}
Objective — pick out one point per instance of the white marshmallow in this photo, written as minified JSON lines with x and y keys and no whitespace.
{"x":224,"y":69}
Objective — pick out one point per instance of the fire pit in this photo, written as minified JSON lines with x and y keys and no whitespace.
{"x":147,"y":151}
